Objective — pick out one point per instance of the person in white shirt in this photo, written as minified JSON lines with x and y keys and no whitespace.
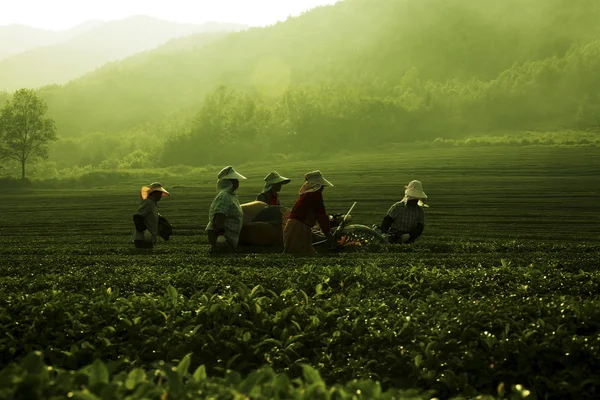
{"x":146,"y":218}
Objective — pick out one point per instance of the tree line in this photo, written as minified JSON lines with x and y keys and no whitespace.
{"x":545,"y":95}
{"x":360,"y":74}
{"x":244,"y":125}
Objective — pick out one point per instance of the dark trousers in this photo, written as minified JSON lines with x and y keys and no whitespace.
{"x":212,"y":239}
{"x":414,"y":234}
{"x":142,"y":244}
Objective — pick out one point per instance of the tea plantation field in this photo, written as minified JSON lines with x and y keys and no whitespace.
{"x":500,"y":297}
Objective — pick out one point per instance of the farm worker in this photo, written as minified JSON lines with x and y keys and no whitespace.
{"x":270,"y":192}
{"x":148,"y":222}
{"x":308,"y":210}
{"x":405,"y":220}
{"x":225,"y":217}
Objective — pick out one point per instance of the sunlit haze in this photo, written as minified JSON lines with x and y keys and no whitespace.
{"x":64,"y":14}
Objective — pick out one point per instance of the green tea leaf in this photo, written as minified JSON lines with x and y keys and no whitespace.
{"x":319,"y":289}
{"x":310,"y":374}
{"x":33,"y":363}
{"x":200,"y":374}
{"x":255,"y":289}
{"x":304,"y":296}
{"x":418,"y":360}
{"x":135,"y":377}
{"x":98,"y":373}
{"x":85,"y":395}
{"x":173,"y":294}
{"x":184,"y":365}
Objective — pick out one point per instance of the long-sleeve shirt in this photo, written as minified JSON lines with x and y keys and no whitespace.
{"x":149,"y":210}
{"x":310,"y":209}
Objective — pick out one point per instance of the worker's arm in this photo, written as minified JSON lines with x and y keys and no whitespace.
{"x":386,"y":224}
{"x":219,"y":224}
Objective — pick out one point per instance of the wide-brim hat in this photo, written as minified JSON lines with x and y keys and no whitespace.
{"x":318,"y":178}
{"x":414,"y":189}
{"x":273,"y":179}
{"x":153,"y":187}
{"x":230,"y":173}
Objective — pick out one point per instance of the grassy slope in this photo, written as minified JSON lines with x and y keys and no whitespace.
{"x":507,"y":192}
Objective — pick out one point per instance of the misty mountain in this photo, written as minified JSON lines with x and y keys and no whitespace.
{"x":16,"y":39}
{"x":88,"y":46}
{"x":369,"y":44}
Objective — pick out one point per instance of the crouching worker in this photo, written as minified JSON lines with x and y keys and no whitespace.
{"x":308,"y":210}
{"x":405,"y":220}
{"x":149,"y":224}
{"x":270,"y":192}
{"x":225,"y":217}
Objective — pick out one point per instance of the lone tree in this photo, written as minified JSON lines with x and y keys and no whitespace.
{"x":24,"y":132}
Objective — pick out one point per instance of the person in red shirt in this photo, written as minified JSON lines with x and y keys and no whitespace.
{"x":270,"y":193}
{"x":308,"y":210}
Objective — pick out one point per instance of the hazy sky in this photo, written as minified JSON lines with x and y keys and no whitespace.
{"x":64,"y":14}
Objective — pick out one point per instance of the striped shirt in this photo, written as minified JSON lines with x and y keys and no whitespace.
{"x":227,"y":203}
{"x":406,"y":216}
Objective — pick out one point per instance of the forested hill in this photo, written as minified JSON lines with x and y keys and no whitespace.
{"x":349,"y":75}
{"x":371,"y":40}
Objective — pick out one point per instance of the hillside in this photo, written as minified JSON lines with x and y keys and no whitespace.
{"x":357,"y":75}
{"x":370,"y":42}
{"x":84,"y":52}
{"x":15,"y":39}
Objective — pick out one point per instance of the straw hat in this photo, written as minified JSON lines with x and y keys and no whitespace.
{"x":153,"y":187}
{"x":313,"y":181}
{"x":317,"y":178}
{"x":414,"y":189}
{"x":230,"y":173}
{"x":274,"y":178}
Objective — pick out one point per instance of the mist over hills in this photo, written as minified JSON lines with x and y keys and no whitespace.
{"x":351,"y":75}
{"x":16,"y":39}
{"x":67,"y":55}
{"x":374,"y":42}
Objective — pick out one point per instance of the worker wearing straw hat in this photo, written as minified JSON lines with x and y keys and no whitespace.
{"x":225,"y":217}
{"x":308,"y":210}
{"x":405,"y":220}
{"x":270,"y":192}
{"x":146,"y":219}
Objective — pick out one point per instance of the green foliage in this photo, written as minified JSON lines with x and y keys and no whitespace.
{"x":488,"y":298}
{"x":407,"y":327}
{"x":32,"y":379}
{"x":561,"y":138}
{"x":24,"y":131}
{"x":537,"y":95}
{"x":371,"y":45}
